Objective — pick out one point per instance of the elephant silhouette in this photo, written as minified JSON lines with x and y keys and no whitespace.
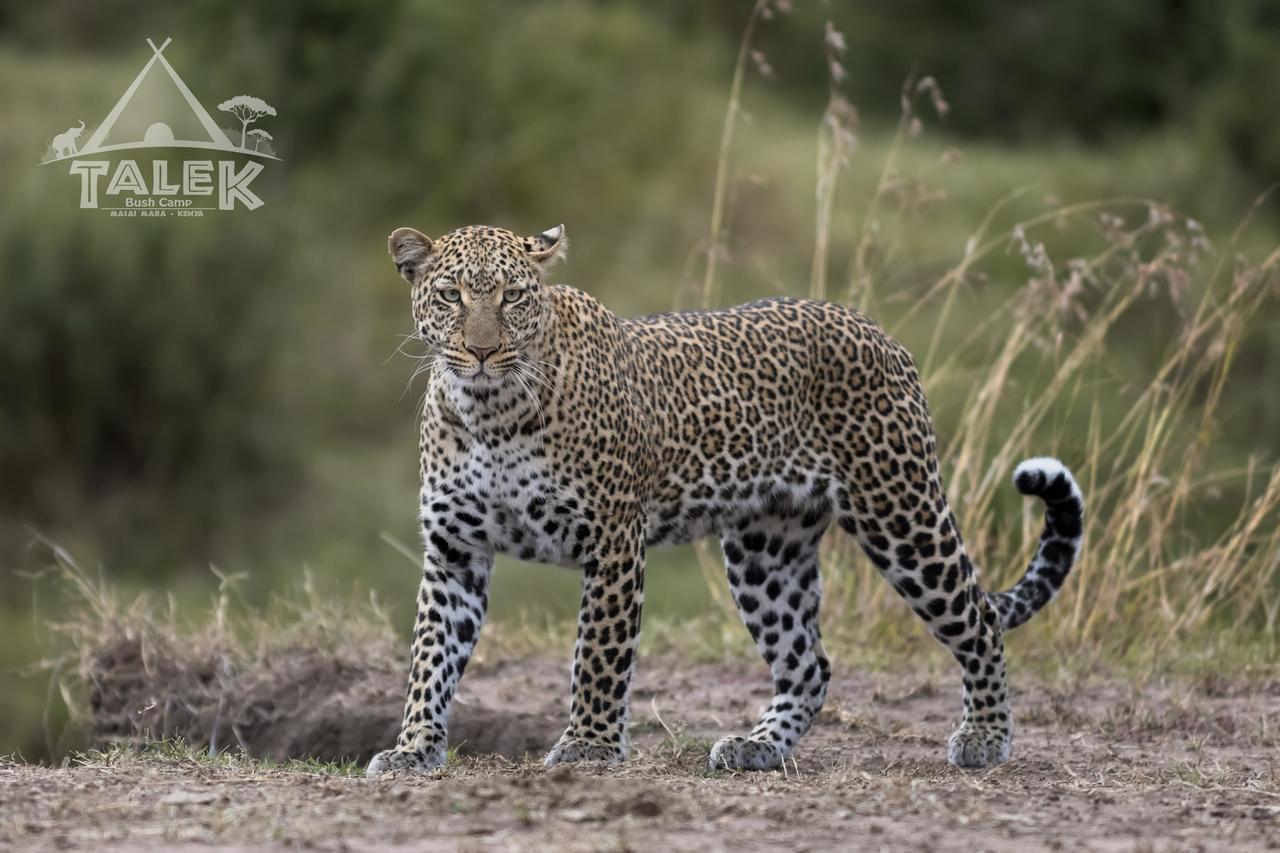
{"x":64,"y":143}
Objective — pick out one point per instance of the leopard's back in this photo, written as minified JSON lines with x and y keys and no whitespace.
{"x":758,"y":405}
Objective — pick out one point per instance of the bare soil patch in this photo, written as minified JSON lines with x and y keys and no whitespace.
{"x":1098,"y":764}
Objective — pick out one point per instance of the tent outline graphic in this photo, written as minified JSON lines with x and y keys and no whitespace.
{"x":218,"y":138}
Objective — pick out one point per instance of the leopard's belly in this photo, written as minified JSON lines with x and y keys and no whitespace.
{"x":515,"y":502}
{"x":687,"y":515}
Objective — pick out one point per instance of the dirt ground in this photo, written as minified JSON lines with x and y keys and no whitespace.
{"x":1098,"y":765}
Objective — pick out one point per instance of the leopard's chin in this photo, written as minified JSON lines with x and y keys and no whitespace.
{"x":487,"y":378}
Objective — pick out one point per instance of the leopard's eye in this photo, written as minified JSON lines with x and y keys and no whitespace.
{"x":451,"y":294}
{"x":510,"y":297}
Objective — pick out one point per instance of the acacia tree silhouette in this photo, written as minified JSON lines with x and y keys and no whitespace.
{"x":259,"y":135}
{"x":248,"y":109}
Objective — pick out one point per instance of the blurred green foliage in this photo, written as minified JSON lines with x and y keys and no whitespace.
{"x":175,"y":394}
{"x":1022,"y":71}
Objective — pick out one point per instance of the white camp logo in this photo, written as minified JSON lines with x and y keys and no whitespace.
{"x":156,"y":115}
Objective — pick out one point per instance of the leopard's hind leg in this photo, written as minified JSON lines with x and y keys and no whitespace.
{"x":911,"y":537}
{"x":772,"y":564}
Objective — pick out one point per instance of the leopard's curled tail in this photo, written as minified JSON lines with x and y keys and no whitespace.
{"x":1049,"y":480}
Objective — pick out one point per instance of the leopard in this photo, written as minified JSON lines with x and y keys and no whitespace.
{"x":554,"y":431}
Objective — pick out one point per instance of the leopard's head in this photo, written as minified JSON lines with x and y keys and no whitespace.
{"x":479,"y":294}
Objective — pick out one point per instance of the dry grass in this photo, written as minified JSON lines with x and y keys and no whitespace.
{"x":308,"y":675}
{"x":1157,"y":580}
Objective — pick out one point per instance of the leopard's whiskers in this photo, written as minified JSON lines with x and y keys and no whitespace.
{"x":519,"y":376}
{"x":557,"y":369}
{"x":433,"y":385}
{"x":399,"y":350}
{"x":425,"y":364}
{"x":532,"y":372}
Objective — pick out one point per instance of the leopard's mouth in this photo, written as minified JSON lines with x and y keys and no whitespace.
{"x":495,"y":368}
{"x":479,"y":373}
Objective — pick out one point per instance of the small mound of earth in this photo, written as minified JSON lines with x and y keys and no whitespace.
{"x":294,"y":703}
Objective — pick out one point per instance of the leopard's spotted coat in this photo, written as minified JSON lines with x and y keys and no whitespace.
{"x":555,"y":431}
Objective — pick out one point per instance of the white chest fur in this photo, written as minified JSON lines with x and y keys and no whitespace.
{"x":525,"y":511}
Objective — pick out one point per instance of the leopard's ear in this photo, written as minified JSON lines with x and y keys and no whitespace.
{"x":410,"y":250}
{"x":546,"y":248}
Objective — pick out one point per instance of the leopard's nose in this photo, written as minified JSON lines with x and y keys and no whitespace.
{"x":481,"y":353}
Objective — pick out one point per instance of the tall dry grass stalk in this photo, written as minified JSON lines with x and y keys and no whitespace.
{"x":837,"y":142}
{"x":715,"y":246}
{"x":1148,"y":581}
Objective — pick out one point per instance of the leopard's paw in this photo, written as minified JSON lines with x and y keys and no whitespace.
{"x":740,"y":753}
{"x":571,"y":750}
{"x":412,"y":761}
{"x":973,"y":747}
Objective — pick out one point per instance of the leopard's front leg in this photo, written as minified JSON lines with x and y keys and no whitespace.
{"x":604,"y":654}
{"x":452,"y":601}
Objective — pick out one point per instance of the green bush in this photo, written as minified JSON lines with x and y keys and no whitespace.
{"x":136,"y":352}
